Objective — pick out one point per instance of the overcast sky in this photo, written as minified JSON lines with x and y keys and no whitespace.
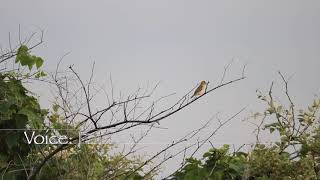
{"x":180,"y":43}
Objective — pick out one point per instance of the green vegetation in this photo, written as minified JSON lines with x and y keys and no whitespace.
{"x":294,"y":155}
{"x":216,"y":164}
{"x":19,"y":110}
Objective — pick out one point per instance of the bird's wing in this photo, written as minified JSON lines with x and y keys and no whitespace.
{"x":197,"y":90}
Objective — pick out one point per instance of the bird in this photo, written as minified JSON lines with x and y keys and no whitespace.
{"x":201,"y":89}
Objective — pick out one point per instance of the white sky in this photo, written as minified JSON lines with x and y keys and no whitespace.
{"x":181,"y":43}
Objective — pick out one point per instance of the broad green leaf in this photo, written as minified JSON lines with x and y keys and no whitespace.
{"x":22,"y":52}
{"x":26,"y":59}
{"x":39,"y":62}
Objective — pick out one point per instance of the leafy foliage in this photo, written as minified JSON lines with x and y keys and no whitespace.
{"x":92,"y":161}
{"x":20,"y":110}
{"x":294,"y":155}
{"x":26,"y":59}
{"x":217,"y":163}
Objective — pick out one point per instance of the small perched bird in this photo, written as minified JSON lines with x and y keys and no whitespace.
{"x":201,"y":89}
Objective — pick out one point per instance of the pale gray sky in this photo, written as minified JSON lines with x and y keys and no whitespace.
{"x":181,"y":42}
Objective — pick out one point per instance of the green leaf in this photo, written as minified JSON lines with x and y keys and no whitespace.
{"x":39,"y":62}
{"x":4,"y":107}
{"x":26,"y":59}
{"x":37,"y":75}
{"x":275,"y":125}
{"x":12,"y":141}
{"x":55,"y":107}
{"x":23,"y":49}
{"x":42,"y":74}
{"x":21,"y":120}
{"x":271,"y":130}
{"x":217,"y":175}
{"x":33,"y":118}
{"x":22,"y":52}
{"x":235,"y":167}
{"x":30,"y":66}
